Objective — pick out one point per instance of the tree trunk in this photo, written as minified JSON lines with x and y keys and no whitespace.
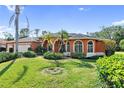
{"x":17,"y":25}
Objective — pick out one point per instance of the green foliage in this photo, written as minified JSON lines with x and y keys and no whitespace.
{"x":29,"y":49}
{"x":8,"y":36}
{"x":29,"y":54}
{"x":111,"y":70}
{"x":95,"y":57}
{"x":121,"y":44}
{"x":112,"y":32}
{"x":7,"y":56}
{"x":77,"y":55}
{"x":24,"y":32}
{"x":40,"y":50}
{"x":53,"y":55}
{"x":110,"y":46}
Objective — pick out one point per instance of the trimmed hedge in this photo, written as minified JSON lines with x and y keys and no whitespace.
{"x":29,"y":54}
{"x":77,"y":55}
{"x":53,"y":56}
{"x":111,"y":70}
{"x":40,"y":50}
{"x":7,"y":56}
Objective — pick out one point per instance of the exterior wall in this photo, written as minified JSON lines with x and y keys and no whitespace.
{"x":98,"y":46}
{"x":9,"y":46}
{"x":34,"y":45}
{"x":23,"y":47}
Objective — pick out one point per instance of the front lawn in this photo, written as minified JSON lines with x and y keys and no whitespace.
{"x":27,"y":72}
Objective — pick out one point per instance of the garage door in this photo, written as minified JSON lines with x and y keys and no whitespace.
{"x":23,"y":48}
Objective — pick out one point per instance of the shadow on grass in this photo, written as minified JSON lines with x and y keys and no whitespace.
{"x":6,"y":68}
{"x":25,"y":68}
{"x":86,"y":63}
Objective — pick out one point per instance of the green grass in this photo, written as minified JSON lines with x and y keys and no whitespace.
{"x":27,"y":72}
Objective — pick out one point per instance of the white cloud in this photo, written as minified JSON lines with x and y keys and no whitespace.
{"x":81,"y":9}
{"x":118,"y":22}
{"x":12,"y":8}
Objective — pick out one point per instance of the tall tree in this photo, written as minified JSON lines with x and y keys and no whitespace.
{"x":63,"y":35}
{"x":37,"y":32}
{"x":15,"y":17}
{"x":24,"y":32}
{"x":8,"y":36}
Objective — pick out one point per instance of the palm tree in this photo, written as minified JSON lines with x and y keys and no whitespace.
{"x":48,"y":37}
{"x":15,"y":17}
{"x":63,"y":36}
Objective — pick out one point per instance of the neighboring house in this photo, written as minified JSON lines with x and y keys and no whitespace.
{"x":24,"y":44}
{"x":2,"y":45}
{"x":76,"y":43}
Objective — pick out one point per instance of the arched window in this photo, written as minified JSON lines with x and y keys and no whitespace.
{"x":68,"y":47}
{"x":90,"y":46}
{"x":78,"y":46}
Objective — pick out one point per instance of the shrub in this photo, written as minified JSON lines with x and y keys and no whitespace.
{"x":7,"y":56}
{"x":77,"y":55}
{"x":95,"y":57}
{"x":29,"y":49}
{"x":53,"y":56}
{"x":111,"y":70}
{"x":110,"y":46}
{"x":29,"y":54}
{"x":40,"y":50}
{"x":121,"y":44}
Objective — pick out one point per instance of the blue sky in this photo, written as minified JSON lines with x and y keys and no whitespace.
{"x":74,"y":19}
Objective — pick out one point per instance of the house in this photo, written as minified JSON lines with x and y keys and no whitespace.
{"x":24,"y":44}
{"x":2,"y":45}
{"x":78,"y":43}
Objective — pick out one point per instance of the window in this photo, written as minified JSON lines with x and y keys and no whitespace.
{"x":78,"y":46}
{"x":68,"y":47}
{"x":90,"y":46}
{"x":11,"y":50}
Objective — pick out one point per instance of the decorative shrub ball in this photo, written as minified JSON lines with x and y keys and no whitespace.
{"x":29,"y":54}
{"x":53,"y":55}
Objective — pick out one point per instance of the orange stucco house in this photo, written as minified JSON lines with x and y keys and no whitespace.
{"x":83,"y":44}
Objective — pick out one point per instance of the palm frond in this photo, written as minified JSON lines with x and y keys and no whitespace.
{"x":11,"y":19}
{"x":28,"y":25}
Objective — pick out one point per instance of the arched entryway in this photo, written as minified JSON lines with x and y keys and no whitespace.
{"x":78,"y":46}
{"x":57,"y":45}
{"x":47,"y":45}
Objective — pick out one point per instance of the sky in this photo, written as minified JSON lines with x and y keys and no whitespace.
{"x":74,"y":19}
